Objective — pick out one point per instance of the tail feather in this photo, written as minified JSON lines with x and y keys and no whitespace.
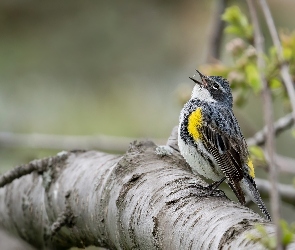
{"x":236,"y":188}
{"x":249,"y":187}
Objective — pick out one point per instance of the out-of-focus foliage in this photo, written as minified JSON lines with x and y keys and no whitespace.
{"x":238,"y":23}
{"x":94,"y":67}
{"x":270,"y":242}
{"x":243,"y":74}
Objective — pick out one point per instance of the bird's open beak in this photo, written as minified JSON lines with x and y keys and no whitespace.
{"x":203,"y":78}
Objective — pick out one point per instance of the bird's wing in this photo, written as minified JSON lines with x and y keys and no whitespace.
{"x":227,"y":150}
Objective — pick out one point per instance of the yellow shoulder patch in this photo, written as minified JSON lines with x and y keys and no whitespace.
{"x":251,"y":168}
{"x":195,"y":123}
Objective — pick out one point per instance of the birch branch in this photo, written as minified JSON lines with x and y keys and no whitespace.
{"x":140,"y":200}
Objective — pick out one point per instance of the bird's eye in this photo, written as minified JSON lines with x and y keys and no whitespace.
{"x":215,"y":85}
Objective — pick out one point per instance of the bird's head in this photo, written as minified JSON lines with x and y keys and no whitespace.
{"x":212,"y":89}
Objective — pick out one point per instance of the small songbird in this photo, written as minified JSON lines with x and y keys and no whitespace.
{"x":211,"y":141}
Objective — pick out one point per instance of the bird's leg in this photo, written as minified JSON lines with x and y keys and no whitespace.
{"x":215,"y":185}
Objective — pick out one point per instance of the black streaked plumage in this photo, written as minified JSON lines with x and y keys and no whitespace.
{"x":217,"y":148}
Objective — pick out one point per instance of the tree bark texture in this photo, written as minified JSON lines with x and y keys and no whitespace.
{"x":141,"y":200}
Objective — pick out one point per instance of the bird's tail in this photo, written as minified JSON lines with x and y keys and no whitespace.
{"x":236,"y":188}
{"x":249,"y":187}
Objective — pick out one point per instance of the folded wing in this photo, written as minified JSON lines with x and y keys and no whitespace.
{"x":226,"y":150}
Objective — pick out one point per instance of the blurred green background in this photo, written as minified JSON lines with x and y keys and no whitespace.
{"x":108,"y":67}
{"x":96,"y":67}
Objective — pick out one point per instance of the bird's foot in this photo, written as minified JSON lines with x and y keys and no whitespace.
{"x":213,"y":186}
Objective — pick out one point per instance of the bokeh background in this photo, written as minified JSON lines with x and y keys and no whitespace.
{"x":110,"y":67}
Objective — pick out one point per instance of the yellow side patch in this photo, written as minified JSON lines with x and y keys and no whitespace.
{"x":251,"y":168}
{"x":195,"y":123}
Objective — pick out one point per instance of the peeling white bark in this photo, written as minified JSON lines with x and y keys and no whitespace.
{"x":141,"y":200}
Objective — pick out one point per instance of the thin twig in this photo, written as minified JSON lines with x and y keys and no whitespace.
{"x":65,"y":218}
{"x":216,"y":32}
{"x":268,"y":116}
{"x":36,"y":165}
{"x":280,"y":125}
{"x":284,"y":67}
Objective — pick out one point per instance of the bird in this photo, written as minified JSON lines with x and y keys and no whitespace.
{"x":211,"y":141}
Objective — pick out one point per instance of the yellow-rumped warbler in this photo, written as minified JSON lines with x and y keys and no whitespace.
{"x":210,"y":139}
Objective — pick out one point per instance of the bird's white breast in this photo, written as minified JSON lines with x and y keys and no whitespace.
{"x":197,"y":162}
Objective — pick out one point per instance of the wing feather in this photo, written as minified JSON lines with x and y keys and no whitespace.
{"x":226,"y":151}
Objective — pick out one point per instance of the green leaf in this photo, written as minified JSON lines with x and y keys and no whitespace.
{"x":287,"y":234}
{"x":287,"y":238}
{"x":238,"y":23}
{"x":287,"y":53}
{"x":233,"y":30}
{"x":252,"y":76}
{"x":257,"y":152}
{"x":275,"y":83}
